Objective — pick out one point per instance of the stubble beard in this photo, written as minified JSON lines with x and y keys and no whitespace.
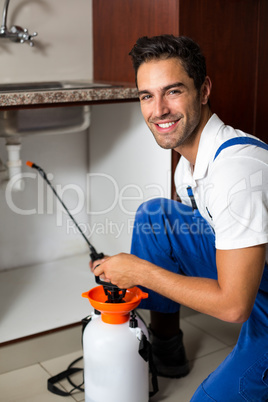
{"x":183,"y":134}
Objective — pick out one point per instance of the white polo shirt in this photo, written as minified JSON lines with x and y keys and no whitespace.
{"x":231,"y":192}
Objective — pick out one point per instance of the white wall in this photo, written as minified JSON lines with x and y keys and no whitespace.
{"x":63,"y":47}
{"x":127,"y":168}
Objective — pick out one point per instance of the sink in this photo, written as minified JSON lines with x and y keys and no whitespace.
{"x":58,"y":120}
{"x":30,"y":86}
{"x":53,"y":85}
{"x":49,"y":120}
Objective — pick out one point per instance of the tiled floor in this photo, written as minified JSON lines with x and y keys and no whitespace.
{"x":207,"y":342}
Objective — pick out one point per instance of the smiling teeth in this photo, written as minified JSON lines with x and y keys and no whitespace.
{"x":166,"y":125}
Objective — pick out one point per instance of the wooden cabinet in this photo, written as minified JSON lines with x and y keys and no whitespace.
{"x":233,"y":35}
{"x":117,"y":24}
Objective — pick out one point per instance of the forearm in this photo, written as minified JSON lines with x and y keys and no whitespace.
{"x":229,"y":298}
{"x":200,"y":294}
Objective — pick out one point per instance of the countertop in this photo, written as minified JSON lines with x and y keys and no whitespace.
{"x":90,"y":93}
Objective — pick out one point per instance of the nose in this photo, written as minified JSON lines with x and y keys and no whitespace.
{"x":161,"y":107}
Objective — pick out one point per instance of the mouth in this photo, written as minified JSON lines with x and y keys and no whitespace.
{"x":166,"y":126}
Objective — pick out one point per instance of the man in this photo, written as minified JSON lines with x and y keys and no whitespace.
{"x":207,"y":252}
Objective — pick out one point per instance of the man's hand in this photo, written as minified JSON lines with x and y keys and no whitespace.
{"x":123,"y":270}
{"x":93,"y":265}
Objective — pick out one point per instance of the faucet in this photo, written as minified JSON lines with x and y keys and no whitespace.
{"x":16,"y":33}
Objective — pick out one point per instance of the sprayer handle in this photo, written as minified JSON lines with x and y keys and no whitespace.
{"x":108,"y":285}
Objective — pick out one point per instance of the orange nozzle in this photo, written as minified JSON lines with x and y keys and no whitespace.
{"x":28,"y":163}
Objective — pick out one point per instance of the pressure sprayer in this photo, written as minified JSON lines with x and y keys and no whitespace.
{"x":117,"y":352}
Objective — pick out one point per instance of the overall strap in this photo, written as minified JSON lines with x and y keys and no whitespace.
{"x":226,"y":144}
{"x":241,"y":141}
{"x":191,"y":196}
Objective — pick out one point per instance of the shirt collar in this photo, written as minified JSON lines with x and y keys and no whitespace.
{"x":206,"y":147}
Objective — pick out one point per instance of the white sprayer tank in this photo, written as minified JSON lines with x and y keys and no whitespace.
{"x":114,"y":371}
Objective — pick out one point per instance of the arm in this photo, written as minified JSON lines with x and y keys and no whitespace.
{"x":230,"y":298}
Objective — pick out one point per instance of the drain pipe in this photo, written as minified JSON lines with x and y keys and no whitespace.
{"x":3,"y":171}
{"x":14,"y":163}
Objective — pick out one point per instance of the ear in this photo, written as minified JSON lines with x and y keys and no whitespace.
{"x":205,"y":90}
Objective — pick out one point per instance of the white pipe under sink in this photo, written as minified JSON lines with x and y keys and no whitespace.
{"x":14,"y":165}
{"x":51,"y":121}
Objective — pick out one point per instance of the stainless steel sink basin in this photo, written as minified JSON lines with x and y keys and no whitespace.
{"x":53,"y":85}
{"x":58,"y":120}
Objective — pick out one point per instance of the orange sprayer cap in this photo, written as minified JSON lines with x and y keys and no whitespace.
{"x":115,"y":313}
{"x":28,"y":163}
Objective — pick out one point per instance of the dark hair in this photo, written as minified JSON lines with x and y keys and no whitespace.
{"x":168,"y":46}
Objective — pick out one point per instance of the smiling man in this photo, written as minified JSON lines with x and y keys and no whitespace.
{"x":172,"y":111}
{"x":209,"y":251}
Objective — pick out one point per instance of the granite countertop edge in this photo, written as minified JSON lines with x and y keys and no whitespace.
{"x":27,"y":98}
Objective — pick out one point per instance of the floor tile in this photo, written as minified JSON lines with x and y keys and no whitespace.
{"x":32,"y":351}
{"x":197,"y":342}
{"x":27,"y":385}
{"x":182,"y":389}
{"x":59,"y":364}
{"x":225,"y":332}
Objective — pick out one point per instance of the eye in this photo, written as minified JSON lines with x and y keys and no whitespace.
{"x":145,"y":97}
{"x":174,"y":92}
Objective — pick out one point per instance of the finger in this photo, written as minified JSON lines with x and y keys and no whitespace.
{"x":98,"y":270}
{"x":104,"y":279}
{"x":96,"y":263}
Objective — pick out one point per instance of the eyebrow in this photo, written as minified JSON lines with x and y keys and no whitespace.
{"x":164,"y":89}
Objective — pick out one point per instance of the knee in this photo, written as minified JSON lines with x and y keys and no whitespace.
{"x":201,"y":396}
{"x":148,"y":217}
{"x":149,"y":209}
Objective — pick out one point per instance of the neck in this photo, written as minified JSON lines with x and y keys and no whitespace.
{"x":189,"y":150}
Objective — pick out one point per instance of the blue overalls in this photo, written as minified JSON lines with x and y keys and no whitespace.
{"x":177,"y":238}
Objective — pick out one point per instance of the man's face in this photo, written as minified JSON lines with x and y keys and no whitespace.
{"x":170,"y":103}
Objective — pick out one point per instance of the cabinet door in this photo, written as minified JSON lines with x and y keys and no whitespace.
{"x":117,"y":24}
{"x":227,"y":31}
{"x":261,"y":125}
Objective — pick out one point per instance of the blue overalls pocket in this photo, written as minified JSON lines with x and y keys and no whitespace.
{"x":254,"y":382}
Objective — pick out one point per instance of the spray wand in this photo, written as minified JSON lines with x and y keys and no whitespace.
{"x":93,"y":255}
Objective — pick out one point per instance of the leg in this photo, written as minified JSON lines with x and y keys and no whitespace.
{"x":168,"y":234}
{"x":243,"y":375}
{"x":165,"y":325}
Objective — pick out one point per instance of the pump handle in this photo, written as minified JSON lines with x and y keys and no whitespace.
{"x":108,"y":285}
